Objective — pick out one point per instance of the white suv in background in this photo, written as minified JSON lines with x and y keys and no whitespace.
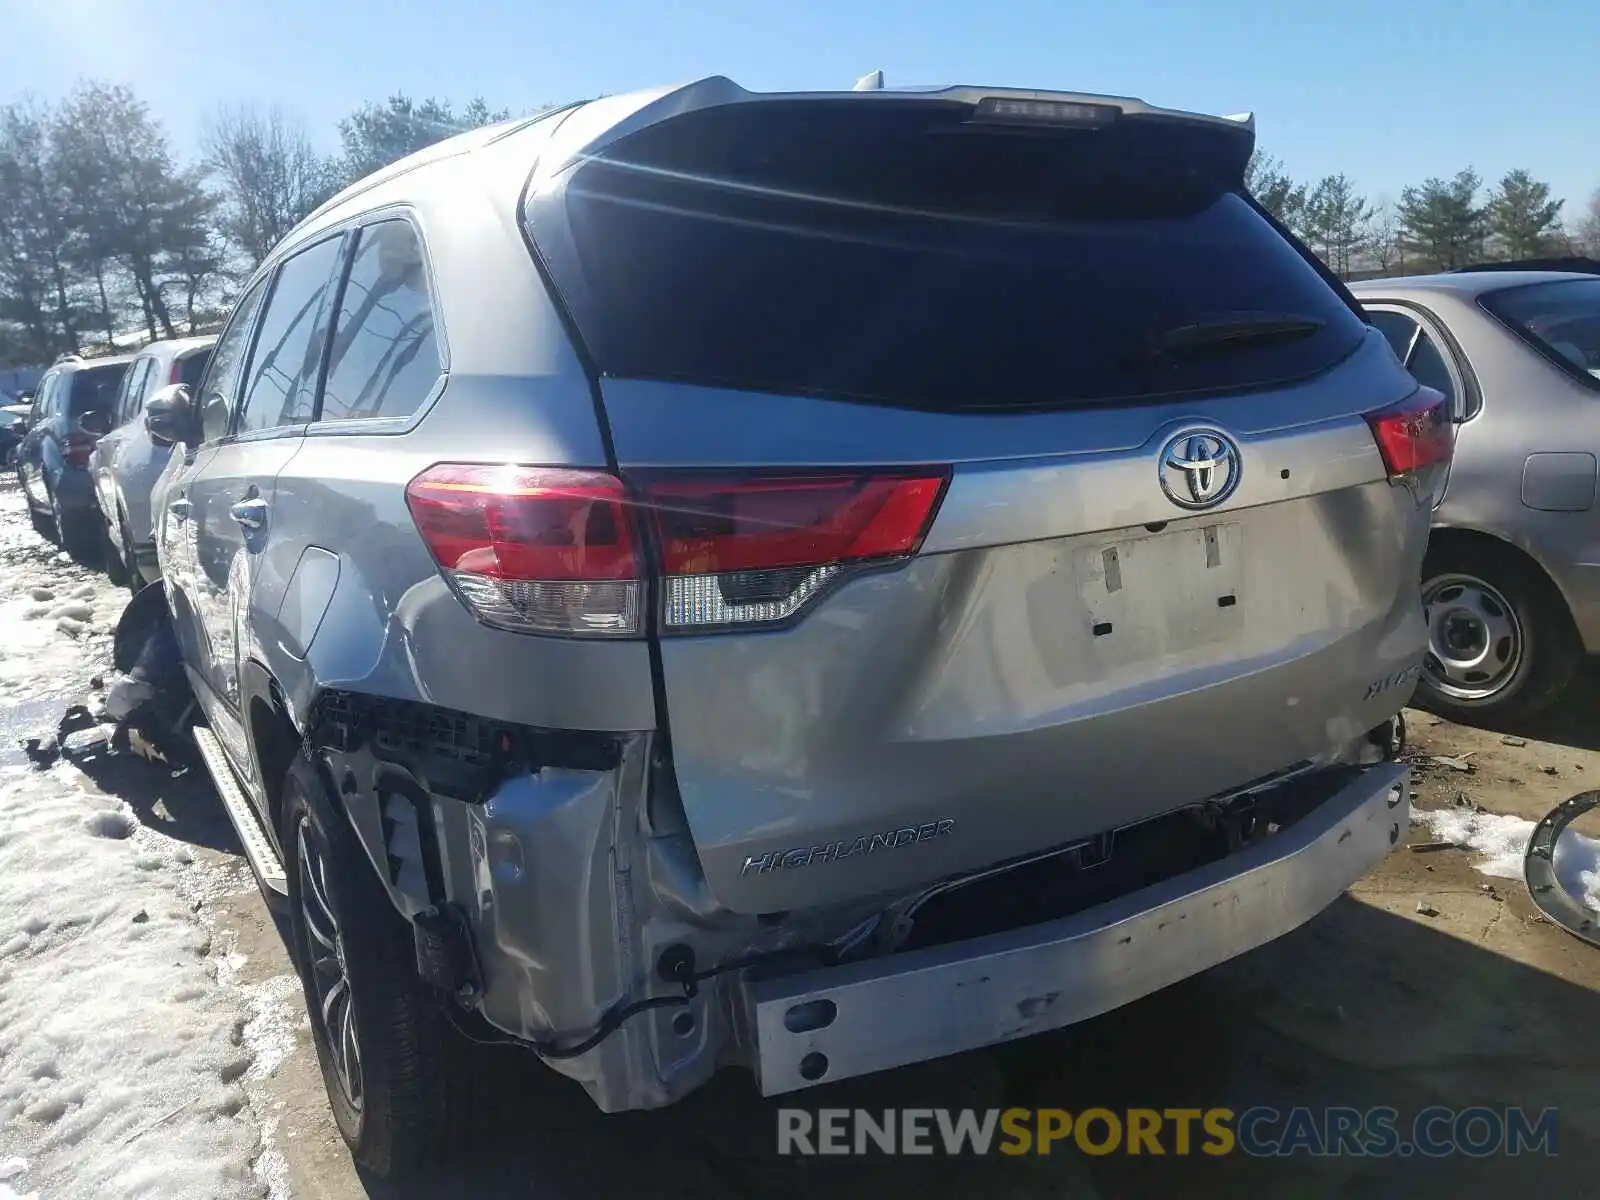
{"x":125,"y":462}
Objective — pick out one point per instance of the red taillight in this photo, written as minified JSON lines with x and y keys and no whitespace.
{"x":79,"y":446}
{"x":1415,"y":433}
{"x":541,"y":550}
{"x":546,"y":550}
{"x":755,"y":550}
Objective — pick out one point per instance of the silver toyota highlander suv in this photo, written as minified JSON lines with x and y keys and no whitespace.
{"x":809,"y":582}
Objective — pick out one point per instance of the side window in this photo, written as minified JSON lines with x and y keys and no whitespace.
{"x":1397,"y":327}
{"x":133,"y":390}
{"x":221,"y":380}
{"x":385,"y":357}
{"x":1427,"y":366}
{"x":283,"y":368}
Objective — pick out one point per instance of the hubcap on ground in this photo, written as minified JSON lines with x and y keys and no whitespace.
{"x":1475,"y":642}
{"x":329,"y":978}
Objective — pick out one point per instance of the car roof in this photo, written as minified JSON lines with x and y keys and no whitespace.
{"x":86,"y":364}
{"x":1466,"y":284}
{"x":176,"y":347}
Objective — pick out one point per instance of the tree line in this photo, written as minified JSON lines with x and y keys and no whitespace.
{"x":1435,"y":225}
{"x":104,"y":231}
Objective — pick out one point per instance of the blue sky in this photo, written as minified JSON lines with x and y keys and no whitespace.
{"x":1390,"y":91}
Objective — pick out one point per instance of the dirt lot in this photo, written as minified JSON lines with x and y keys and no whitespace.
{"x":1370,"y":1004}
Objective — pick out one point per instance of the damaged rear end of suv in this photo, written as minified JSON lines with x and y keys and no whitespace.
{"x":857,"y":577}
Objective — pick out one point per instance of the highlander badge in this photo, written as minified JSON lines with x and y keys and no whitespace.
{"x":810,"y":856}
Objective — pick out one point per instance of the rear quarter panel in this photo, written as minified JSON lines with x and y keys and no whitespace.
{"x":1519,"y":464}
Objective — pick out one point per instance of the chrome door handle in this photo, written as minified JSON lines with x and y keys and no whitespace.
{"x":179,"y":508}
{"x":252,"y":514}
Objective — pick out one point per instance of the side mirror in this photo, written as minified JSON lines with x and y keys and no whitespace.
{"x":168,"y":415}
{"x":96,"y":423}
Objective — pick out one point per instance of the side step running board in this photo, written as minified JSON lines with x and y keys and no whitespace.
{"x":258,"y":849}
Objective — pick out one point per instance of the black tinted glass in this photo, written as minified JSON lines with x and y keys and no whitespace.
{"x":94,"y":389}
{"x":1427,"y":365}
{"x":227,"y":356}
{"x":192,"y":368}
{"x":898,"y":253}
{"x":1397,"y":328}
{"x":283,"y":365}
{"x":384,"y":359}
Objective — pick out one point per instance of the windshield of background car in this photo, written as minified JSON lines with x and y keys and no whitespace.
{"x":1560,"y":318}
{"x":94,"y":389}
{"x":900,"y":254}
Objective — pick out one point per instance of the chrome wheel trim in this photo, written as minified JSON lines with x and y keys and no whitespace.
{"x":330,"y":979}
{"x":1475,"y":641}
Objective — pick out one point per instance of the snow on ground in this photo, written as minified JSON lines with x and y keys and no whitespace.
{"x":1503,"y":842}
{"x":127,"y":1043}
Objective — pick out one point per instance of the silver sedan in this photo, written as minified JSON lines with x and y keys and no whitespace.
{"x":1511,"y":583}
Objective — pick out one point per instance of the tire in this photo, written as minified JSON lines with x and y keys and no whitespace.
{"x":414,"y":1098}
{"x":82,"y":536}
{"x":43,"y":526}
{"x":1501,"y":643}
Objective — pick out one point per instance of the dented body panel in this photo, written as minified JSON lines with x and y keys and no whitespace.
{"x":1070,"y":660}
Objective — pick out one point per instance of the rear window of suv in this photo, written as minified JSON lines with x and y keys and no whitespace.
{"x":94,"y":389}
{"x":901,"y":254}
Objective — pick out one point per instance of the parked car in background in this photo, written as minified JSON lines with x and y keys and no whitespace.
{"x":1019,"y":534}
{"x":13,"y":425}
{"x":1511,"y":584}
{"x":72,"y":409}
{"x":126,"y":463}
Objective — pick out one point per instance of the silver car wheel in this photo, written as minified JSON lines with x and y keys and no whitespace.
{"x":1475,"y":641}
{"x":330,"y":978}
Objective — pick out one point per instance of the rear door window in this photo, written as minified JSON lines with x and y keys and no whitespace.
{"x":132,"y":383}
{"x":898,"y":253}
{"x":385,"y":355}
{"x":95,"y":389}
{"x":288,"y":349}
{"x":1428,"y":366}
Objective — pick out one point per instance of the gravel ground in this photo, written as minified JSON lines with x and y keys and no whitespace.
{"x":1429,"y":983}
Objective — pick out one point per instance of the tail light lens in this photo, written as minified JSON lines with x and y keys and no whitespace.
{"x":756,"y":551}
{"x":79,"y":446}
{"x":543,"y":550}
{"x":1415,"y":433}
{"x":534,"y":550}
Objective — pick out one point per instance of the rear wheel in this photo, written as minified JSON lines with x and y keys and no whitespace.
{"x":42,"y":525}
{"x":401,"y":1081}
{"x":1501,"y":644}
{"x":79,"y":533}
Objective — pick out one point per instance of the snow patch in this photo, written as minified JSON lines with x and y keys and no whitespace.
{"x":1503,"y":843}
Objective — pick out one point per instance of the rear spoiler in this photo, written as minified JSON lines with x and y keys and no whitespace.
{"x":600,"y":123}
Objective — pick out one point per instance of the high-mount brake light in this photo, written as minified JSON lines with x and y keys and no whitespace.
{"x":1415,"y":433}
{"x":1021,"y":111}
{"x":534,"y":549}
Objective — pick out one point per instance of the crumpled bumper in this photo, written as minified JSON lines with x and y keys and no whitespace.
{"x":834,"y":1023}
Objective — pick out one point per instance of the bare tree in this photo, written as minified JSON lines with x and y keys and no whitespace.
{"x":271,"y":175}
{"x":36,"y":287}
{"x":1382,"y":239}
{"x":1586,"y":235}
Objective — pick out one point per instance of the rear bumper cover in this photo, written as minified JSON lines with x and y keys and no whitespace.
{"x":910,"y":1007}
